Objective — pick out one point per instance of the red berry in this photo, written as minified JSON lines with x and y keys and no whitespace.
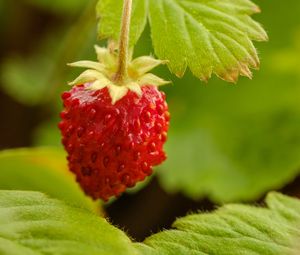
{"x":113,"y":146}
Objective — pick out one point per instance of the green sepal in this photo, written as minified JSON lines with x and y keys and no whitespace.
{"x":101,"y":74}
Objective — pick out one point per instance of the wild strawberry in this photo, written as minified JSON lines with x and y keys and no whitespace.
{"x":114,"y":134}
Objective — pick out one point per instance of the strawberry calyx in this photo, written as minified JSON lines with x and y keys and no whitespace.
{"x":102,"y":74}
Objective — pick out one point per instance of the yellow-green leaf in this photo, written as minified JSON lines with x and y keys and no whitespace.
{"x":42,"y":169}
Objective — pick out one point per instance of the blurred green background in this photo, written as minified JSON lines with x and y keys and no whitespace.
{"x":227,"y":142}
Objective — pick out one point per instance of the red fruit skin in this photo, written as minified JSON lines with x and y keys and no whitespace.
{"x":112,"y":147}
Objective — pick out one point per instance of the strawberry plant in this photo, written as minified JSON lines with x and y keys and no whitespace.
{"x":228,"y":143}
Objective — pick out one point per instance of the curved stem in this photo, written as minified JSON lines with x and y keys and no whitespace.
{"x":121,"y":74}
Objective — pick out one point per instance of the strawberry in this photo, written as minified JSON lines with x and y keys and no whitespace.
{"x":114,"y":134}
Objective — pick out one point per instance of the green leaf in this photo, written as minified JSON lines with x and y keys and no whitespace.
{"x":41,"y":169}
{"x":233,"y":229}
{"x":207,"y":36}
{"x":109,"y":13}
{"x":32,"y":224}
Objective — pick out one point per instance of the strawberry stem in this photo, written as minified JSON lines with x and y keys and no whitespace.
{"x":123,"y":57}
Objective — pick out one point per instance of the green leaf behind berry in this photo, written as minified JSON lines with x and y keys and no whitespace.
{"x":287,"y":60}
{"x":235,"y":143}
